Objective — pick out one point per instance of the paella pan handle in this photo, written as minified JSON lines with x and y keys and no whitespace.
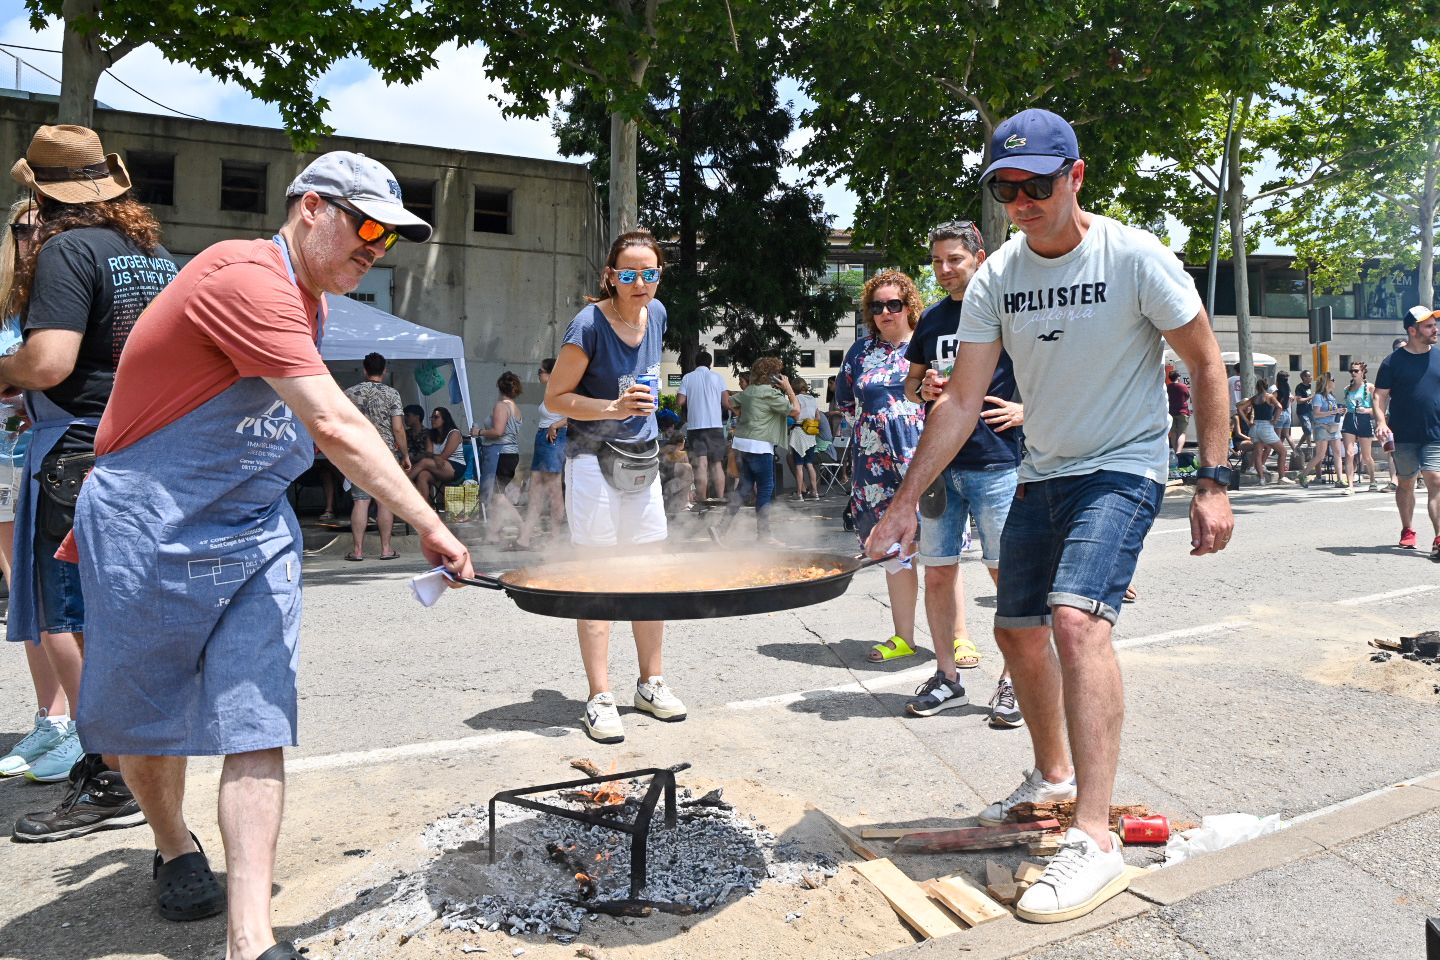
{"x":868,"y":562}
{"x":480,"y":580}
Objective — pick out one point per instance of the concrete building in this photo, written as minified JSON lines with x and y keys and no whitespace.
{"x":517,"y":245}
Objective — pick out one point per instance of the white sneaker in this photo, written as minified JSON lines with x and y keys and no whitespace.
{"x":656,"y":699}
{"x":1079,"y":879}
{"x":1033,"y":789}
{"x":602,"y":720}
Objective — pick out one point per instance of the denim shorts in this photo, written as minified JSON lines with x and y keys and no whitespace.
{"x":982,"y":494}
{"x":1410,"y":458}
{"x":1073,"y":542}
{"x":62,"y":605}
{"x":549,"y":457}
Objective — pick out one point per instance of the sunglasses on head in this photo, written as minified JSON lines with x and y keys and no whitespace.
{"x":365,"y":228}
{"x":627,"y":277}
{"x":1036,"y":188}
{"x":877,"y":307}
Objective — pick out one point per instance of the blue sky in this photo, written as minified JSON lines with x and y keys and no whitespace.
{"x":451,"y":106}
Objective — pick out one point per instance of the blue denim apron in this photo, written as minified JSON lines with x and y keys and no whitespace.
{"x":191,"y":553}
{"x":48,"y":424}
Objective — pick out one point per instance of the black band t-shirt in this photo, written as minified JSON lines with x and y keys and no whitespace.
{"x":96,"y":282}
{"x":935,"y":339}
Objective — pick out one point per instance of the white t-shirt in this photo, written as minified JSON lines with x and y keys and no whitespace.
{"x":1083,"y":330}
{"x":701,"y":389}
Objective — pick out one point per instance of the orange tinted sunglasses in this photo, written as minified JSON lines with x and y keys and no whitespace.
{"x":365,"y":228}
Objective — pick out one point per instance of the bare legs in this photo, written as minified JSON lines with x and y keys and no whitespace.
{"x":1076,"y":680}
{"x":1363,"y":451}
{"x":65,"y":652}
{"x":1405,"y":499}
{"x":360,"y":517}
{"x":544,"y":489}
{"x":252,"y":800}
{"x":944,"y":601}
{"x":49,"y":695}
{"x":595,"y":651}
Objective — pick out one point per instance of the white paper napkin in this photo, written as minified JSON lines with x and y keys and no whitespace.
{"x":430,"y":586}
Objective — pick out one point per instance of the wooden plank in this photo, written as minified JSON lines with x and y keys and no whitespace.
{"x":1006,"y":893}
{"x":975,"y":838}
{"x":1064,"y":811}
{"x":1029,"y":872}
{"x":860,"y":847}
{"x":1045,"y":846}
{"x":965,"y":900}
{"x":884,"y":833}
{"x":908,"y":899}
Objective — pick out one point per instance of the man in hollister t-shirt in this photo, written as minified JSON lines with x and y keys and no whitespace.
{"x":1079,"y":302}
{"x":979,"y":482}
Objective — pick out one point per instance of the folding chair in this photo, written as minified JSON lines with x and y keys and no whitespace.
{"x":838,"y":469}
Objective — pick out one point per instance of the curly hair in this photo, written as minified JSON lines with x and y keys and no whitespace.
{"x":908,"y":292}
{"x":124,"y":214}
{"x":764,"y":369}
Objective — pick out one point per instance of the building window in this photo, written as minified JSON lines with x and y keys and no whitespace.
{"x":152,"y":176}
{"x":807,"y":358}
{"x":419,"y":198}
{"x":1284,"y":293}
{"x":722,"y":357}
{"x":492,"y":210}
{"x":242,"y":186}
{"x":1294,"y":361}
{"x":1387,"y":297}
{"x":1340,"y":302}
{"x":361,"y":297}
{"x":1344,"y":367}
{"x":837,"y":357}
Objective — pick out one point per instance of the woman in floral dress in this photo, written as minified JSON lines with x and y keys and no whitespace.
{"x":871,"y":388}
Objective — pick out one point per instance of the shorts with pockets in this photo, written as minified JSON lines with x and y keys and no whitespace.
{"x":984,"y":495}
{"x":706,"y":442}
{"x":1074,"y":542}
{"x":1410,"y":458}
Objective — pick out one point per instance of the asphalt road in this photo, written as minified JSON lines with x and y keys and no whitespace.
{"x":1248,"y":688}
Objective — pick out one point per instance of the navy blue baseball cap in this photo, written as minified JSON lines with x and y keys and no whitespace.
{"x":1036,"y":141}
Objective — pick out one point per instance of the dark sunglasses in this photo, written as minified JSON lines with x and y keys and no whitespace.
{"x":365,"y":228}
{"x":22,"y":231}
{"x":878,"y":307}
{"x":1036,"y":188}
{"x":627,"y":277}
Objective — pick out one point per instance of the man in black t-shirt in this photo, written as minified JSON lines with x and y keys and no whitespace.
{"x":1407,"y":412}
{"x":979,"y":483}
{"x":1304,"y":412}
{"x":95,"y":264}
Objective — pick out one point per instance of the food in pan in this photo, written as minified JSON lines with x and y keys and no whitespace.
{"x":672,"y":579}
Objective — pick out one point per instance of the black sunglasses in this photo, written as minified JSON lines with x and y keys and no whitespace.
{"x":365,"y":228}
{"x":878,"y":307}
{"x":22,"y":231}
{"x":1036,"y":188}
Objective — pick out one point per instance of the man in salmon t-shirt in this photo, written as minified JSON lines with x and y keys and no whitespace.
{"x":184,"y":533}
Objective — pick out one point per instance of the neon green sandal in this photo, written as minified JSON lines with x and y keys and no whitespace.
{"x":967,"y":657}
{"x":892,"y":649}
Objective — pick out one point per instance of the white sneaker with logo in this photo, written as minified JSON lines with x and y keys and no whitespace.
{"x":654,"y":697}
{"x":1079,"y":879}
{"x":1033,"y":789}
{"x":602,"y":720}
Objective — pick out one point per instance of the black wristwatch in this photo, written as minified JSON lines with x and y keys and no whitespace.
{"x":1223,"y":476}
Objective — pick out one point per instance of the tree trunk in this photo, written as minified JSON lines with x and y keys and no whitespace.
{"x":1426,"y":270}
{"x":624,"y":194}
{"x":1236,"y":201}
{"x":689,"y":326}
{"x":994,"y":224}
{"x":81,"y":62}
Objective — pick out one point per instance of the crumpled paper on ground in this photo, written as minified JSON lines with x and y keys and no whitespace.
{"x":1218,"y":832}
{"x":430,"y":586}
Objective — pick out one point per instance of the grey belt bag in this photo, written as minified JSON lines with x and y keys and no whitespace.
{"x":629,"y":467}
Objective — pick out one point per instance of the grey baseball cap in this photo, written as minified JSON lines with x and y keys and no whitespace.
{"x":367,"y":184}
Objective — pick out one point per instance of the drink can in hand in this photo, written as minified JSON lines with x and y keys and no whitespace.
{"x":650,"y":382}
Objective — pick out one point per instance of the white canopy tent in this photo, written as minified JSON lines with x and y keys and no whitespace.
{"x":354,"y":329}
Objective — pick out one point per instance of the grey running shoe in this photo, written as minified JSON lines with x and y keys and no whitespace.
{"x":1004,"y":711}
{"x":94,"y":802}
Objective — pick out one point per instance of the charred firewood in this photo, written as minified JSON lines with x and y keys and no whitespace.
{"x":634,"y":908}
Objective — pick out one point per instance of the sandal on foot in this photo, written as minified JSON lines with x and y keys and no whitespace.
{"x":284,"y":950}
{"x":1130,"y":595}
{"x":392,"y":555}
{"x":352,"y":558}
{"x":892,"y":649}
{"x":966,"y":656}
{"x":186,"y":888}
{"x":327,"y":515}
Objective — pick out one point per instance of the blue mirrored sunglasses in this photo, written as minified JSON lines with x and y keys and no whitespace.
{"x":627,"y":277}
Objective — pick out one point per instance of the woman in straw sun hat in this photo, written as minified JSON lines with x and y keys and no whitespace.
{"x":94,"y":264}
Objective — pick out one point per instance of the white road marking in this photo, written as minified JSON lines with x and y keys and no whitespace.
{"x":1317,"y":814}
{"x":1385,"y":509}
{"x":903,"y":678}
{"x":1184,"y":529}
{"x":412,"y":751}
{"x":1387,"y":595}
{"x":1182,"y":634}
